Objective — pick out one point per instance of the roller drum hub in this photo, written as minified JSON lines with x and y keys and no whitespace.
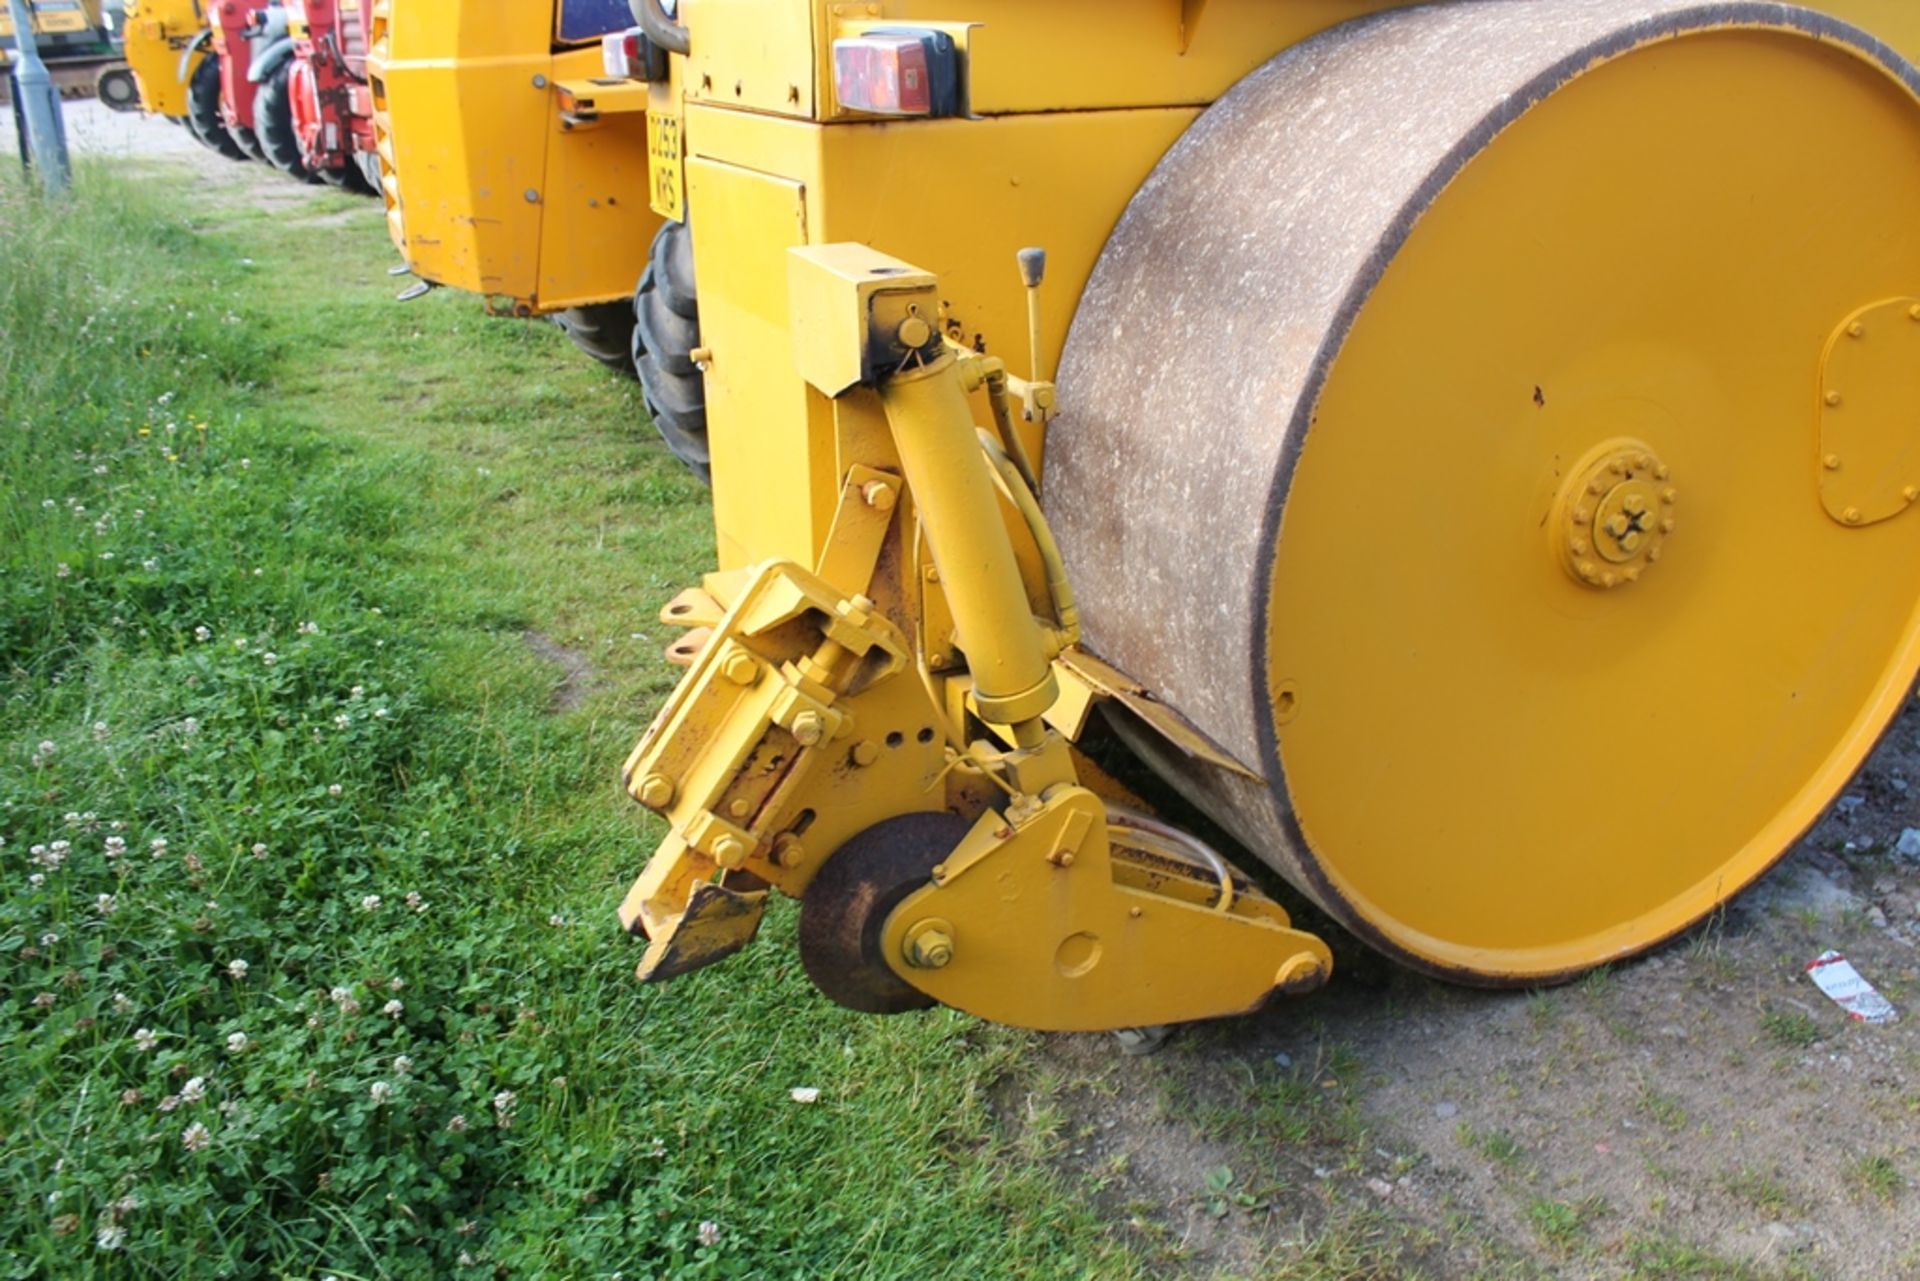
{"x":1441,"y":435}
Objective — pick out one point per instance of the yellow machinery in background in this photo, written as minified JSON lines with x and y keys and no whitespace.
{"x":161,"y":49}
{"x":1467,"y":448}
{"x":78,"y":44}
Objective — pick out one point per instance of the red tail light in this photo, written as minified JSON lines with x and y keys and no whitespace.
{"x":897,"y":73}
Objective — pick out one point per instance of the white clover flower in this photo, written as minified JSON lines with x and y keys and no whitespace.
{"x":111,"y":1237}
{"x":458,"y":1124}
{"x":504,"y":1101}
{"x":415,"y":902}
{"x":47,"y":747}
{"x":259,"y":849}
{"x":342,"y":721}
{"x":340,"y":995}
{"x":122,"y":1003}
{"x":105,"y":904}
{"x":100,"y":731}
{"x":194,"y":1090}
{"x":203,"y":633}
{"x":116,"y":846}
{"x":380,"y":1092}
{"x":709,"y":1232}
{"x":358,"y":691}
{"x":37,"y":880}
{"x":333,"y":789}
{"x":145,"y":1038}
{"x":191,"y":725}
{"x":158,"y":845}
{"x":195,"y":1137}
{"x":44,"y":1001}
{"x":149,"y":564}
{"x":308,"y":629}
{"x":237,"y":1042}
{"x":61,"y":570}
{"x":237,"y":969}
{"x":379,"y":713}
{"x":49,"y":939}
{"x":370,"y":903}
{"x":245,"y":463}
{"x":556,"y":920}
{"x":239,"y":642}
{"x":393,"y":1009}
{"x":269,"y":658}
{"x":402,"y":1065}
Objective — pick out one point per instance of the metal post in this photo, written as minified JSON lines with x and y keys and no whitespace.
{"x":38,"y":102}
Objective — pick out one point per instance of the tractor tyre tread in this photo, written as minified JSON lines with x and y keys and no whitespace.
{"x":273,"y":116}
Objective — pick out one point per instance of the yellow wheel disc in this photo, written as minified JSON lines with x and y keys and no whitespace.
{"x":1561,"y":646}
{"x":1501,"y":765}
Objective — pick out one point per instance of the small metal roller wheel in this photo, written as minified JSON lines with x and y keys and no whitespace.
{"x":845,"y":908}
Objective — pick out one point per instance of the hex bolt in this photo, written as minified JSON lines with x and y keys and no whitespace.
{"x":788,"y":851}
{"x":1619,"y":526}
{"x":929,"y":947}
{"x":865,"y":752}
{"x":1670,"y":497}
{"x":1856,"y":330}
{"x":1581,"y":547}
{"x":932,"y":573}
{"x":1582,"y":515}
{"x":1833,"y":399}
{"x":1662,"y":472}
{"x":808,"y":728}
{"x":1831,"y":462}
{"x":1634,"y":505}
{"x":1852,"y":516}
{"x":739,"y":807}
{"x":741,"y":668}
{"x":877,"y":494}
{"x":1631,"y":542}
{"x":656,"y":791}
{"x":729,"y":852}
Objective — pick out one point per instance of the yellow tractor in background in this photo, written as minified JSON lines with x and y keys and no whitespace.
{"x":1466,"y":448}
{"x":78,"y":41}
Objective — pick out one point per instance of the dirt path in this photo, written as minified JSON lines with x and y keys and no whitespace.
{"x":1704,"y":1111}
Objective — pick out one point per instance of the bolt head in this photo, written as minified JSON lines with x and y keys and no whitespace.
{"x":865,"y":752}
{"x":1582,"y":515}
{"x":1856,"y":330}
{"x":729,"y":852}
{"x":1631,"y":542}
{"x":1662,"y":472}
{"x":808,"y":728}
{"x":929,"y":947}
{"x":1833,"y":399}
{"x":739,"y":807}
{"x":656,"y":791}
{"x":1668,"y":525}
{"x":1634,"y":505}
{"x":914,"y":333}
{"x":1831,"y":462}
{"x":878,"y":494}
{"x":740,"y":668}
{"x":789,"y":852}
{"x":1670,"y":496}
{"x":1581,"y":547}
{"x":1619,"y":526}
{"x":1852,"y":516}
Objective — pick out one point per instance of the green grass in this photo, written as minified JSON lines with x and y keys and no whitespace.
{"x":1790,"y":1029}
{"x":1876,"y":1175}
{"x":271,"y":546}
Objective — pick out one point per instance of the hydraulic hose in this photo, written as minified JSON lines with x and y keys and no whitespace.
{"x":660,"y":28}
{"x":1066,"y":613}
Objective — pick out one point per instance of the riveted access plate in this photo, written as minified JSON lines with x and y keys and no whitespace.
{"x":1870,"y":414}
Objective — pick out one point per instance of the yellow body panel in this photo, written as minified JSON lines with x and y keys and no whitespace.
{"x":488,"y":189}
{"x":157,"y":33}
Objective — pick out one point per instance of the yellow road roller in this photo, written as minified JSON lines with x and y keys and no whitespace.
{"x":163,"y":51}
{"x":1466,"y":448}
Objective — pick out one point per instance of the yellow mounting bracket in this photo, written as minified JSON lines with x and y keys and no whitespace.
{"x":1870,"y":414}
{"x":1046,"y":922}
{"x":799,"y":723}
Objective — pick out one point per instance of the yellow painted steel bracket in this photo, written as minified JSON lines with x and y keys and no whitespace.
{"x":805,"y":720}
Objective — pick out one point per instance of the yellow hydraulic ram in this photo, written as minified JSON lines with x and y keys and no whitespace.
{"x":805,"y":749}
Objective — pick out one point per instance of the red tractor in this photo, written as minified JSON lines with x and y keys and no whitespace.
{"x":326,"y":89}
{"x":220,"y":95}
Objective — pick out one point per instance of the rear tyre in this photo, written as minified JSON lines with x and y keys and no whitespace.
{"x":604,"y":331}
{"x":248,"y":141}
{"x":273,"y":114}
{"x":666,"y":329}
{"x":117,"y":89}
{"x":203,"y":109}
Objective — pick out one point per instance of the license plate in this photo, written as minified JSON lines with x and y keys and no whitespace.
{"x":666,"y":165}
